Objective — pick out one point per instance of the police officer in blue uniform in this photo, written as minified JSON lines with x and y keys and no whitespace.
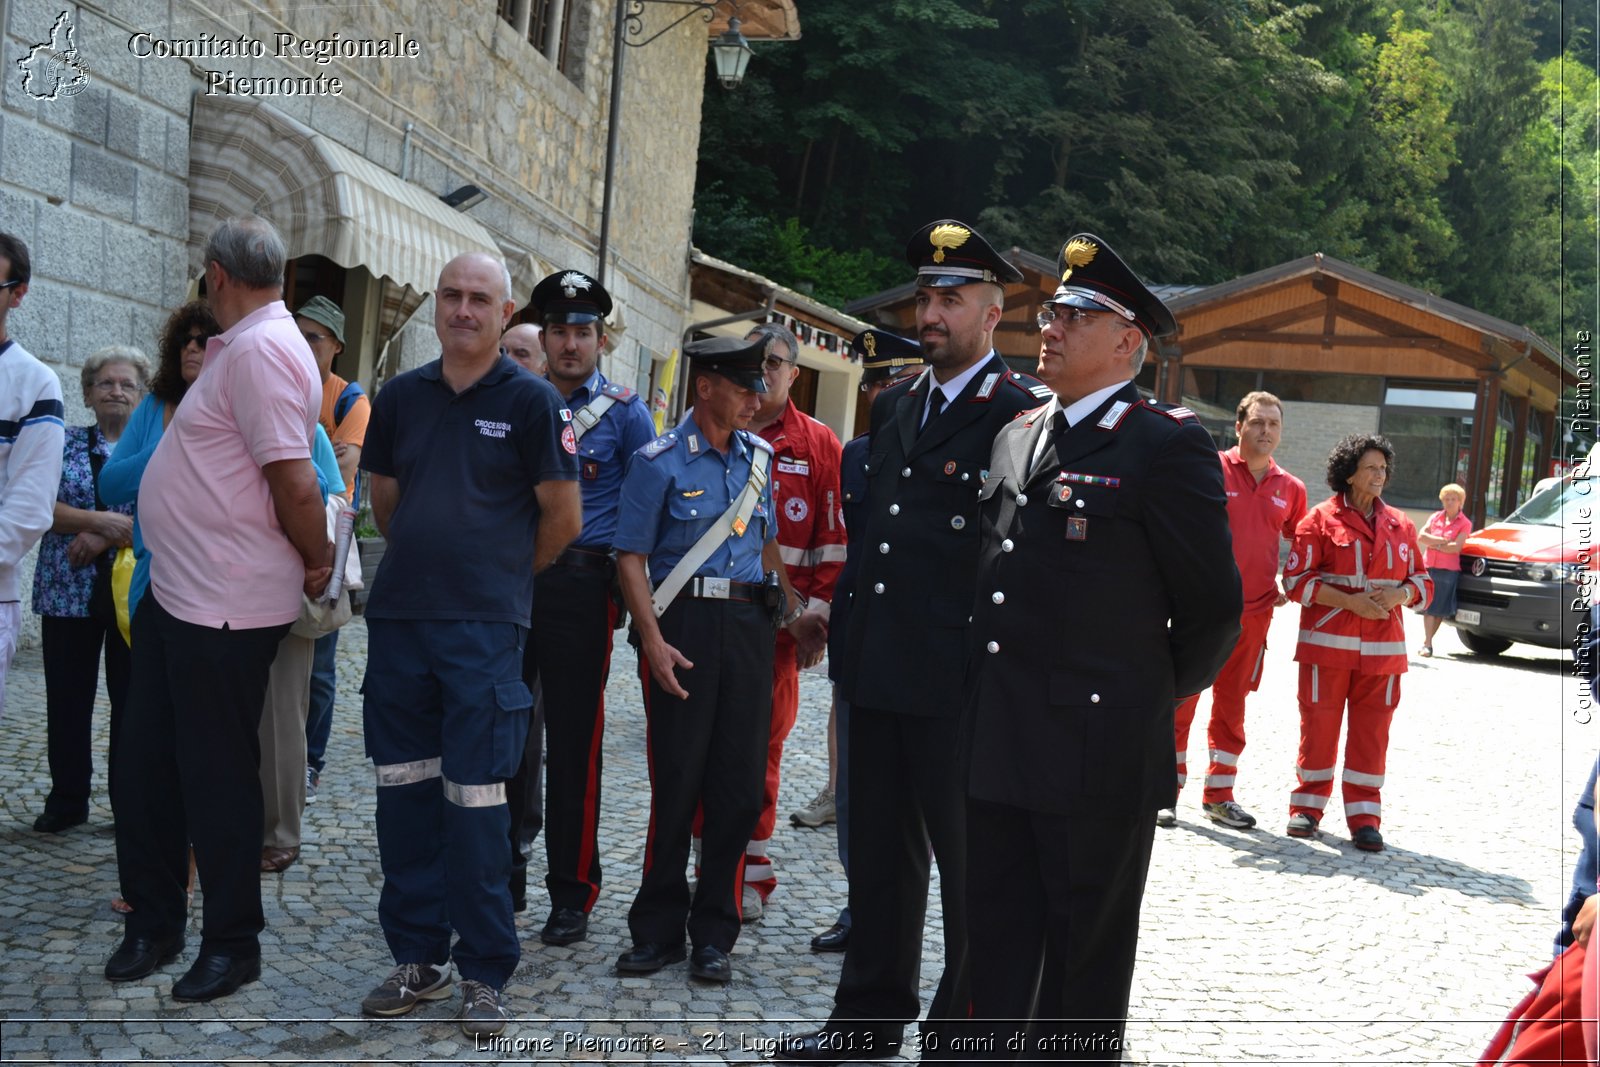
{"x":695,"y":519}
{"x":887,"y":359}
{"x":1106,"y":588}
{"x":905,"y":650}
{"x":569,"y":647}
{"x":473,"y":469}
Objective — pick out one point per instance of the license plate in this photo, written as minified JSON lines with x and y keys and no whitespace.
{"x":1470,"y":618}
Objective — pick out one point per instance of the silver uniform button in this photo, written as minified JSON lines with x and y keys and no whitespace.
{"x":964,"y":477}
{"x":1006,"y":546}
{"x":905,"y":472}
{"x":1094,"y":698}
{"x":884,"y":548}
{"x":1022,"y":500}
{"x":994,"y":646}
{"x":998,"y":598}
{"x":693,"y":512}
{"x":878,"y":588}
{"x":894,"y":509}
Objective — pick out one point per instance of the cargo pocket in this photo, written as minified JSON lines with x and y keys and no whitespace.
{"x":513,"y":702}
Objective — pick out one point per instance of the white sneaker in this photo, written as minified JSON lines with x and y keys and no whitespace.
{"x":750,"y":904}
{"x":820,"y":812}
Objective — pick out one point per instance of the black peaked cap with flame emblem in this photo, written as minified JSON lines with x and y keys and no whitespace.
{"x":949,"y":252}
{"x":885,"y":355}
{"x":571,"y":296}
{"x":1094,"y":277}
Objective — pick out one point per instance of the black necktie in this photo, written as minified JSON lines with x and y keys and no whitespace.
{"x":1054,"y":432}
{"x":935,"y":405}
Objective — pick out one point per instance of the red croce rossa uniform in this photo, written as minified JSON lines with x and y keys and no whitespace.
{"x":1259,"y":513}
{"x":1344,"y":658}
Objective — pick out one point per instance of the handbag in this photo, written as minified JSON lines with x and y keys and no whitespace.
{"x":319,"y":617}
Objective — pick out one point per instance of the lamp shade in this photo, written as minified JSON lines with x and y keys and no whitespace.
{"x":731,"y":52}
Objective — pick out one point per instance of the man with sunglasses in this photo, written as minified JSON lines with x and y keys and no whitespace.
{"x":1106,"y":590}
{"x":32,"y":432}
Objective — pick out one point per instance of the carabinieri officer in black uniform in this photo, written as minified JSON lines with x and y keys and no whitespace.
{"x":696,"y":514}
{"x":570,"y":639}
{"x":902,"y":669}
{"x":1107,"y":589}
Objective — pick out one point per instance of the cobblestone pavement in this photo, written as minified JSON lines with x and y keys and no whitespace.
{"x":1255,"y":948}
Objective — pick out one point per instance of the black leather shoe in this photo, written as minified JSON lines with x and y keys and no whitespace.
{"x":53,"y":822}
{"x":139,"y":956}
{"x":835,"y":938}
{"x":565,"y":926}
{"x":650,"y":957}
{"x":827,"y":1046}
{"x":711,"y":964}
{"x":215,"y":975}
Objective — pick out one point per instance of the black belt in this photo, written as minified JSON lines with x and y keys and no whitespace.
{"x":585,"y":558}
{"x":724,"y":589}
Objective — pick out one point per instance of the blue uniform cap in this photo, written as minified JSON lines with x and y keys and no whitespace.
{"x":737,"y":360}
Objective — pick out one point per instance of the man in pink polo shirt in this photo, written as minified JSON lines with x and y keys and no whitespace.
{"x":1264,"y":502}
{"x":231,"y":512}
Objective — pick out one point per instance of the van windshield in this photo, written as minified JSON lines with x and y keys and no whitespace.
{"x":1567,"y":503}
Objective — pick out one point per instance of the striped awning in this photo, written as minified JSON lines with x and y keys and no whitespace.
{"x":326,"y":200}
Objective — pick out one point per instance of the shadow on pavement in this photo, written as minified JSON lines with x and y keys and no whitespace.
{"x":1328,"y":855}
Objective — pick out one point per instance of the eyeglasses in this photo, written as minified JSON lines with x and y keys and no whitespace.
{"x":123,"y":384}
{"x":314,"y":338}
{"x":9,"y":285}
{"x":1074,"y":316}
{"x":773,"y":364}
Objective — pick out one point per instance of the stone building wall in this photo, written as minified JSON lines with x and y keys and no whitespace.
{"x":96,"y":180}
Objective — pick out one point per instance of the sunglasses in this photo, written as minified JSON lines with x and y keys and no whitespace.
{"x":9,"y":285}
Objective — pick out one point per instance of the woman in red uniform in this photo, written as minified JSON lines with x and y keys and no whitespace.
{"x":1353,"y":567}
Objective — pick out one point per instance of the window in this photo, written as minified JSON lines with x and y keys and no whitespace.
{"x":549,"y":27}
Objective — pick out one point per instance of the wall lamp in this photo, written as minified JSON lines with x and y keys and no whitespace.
{"x":730,"y":51}
{"x":465,"y":198}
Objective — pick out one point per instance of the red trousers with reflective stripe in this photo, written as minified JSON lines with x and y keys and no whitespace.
{"x":758,"y":868}
{"x":1240,"y":676}
{"x":1325,"y":693}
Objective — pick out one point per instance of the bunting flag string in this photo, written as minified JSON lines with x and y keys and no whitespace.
{"x":814,"y":336}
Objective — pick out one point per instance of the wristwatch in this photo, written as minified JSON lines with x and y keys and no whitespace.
{"x":793,"y":616}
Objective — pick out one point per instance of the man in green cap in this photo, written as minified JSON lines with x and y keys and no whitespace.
{"x":344,"y":414}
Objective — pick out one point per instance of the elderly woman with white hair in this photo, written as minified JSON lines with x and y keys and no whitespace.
{"x":72,"y":586}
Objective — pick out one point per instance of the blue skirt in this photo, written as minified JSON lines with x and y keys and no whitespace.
{"x":1443,"y":604}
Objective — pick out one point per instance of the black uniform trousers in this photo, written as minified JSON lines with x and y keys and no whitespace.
{"x":71,"y":681}
{"x":525,"y":789}
{"x":1055,"y":928}
{"x":709,"y":750}
{"x":905,"y":795}
{"x":188,"y":773}
{"x":571,"y":644}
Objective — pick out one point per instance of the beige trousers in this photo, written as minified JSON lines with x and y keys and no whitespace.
{"x":283,"y":743}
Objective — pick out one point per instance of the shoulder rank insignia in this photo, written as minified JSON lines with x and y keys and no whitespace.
{"x":986,"y":389}
{"x":1176,"y":413}
{"x":1030,"y":385}
{"x":617,"y":391}
{"x":1114,"y":415}
{"x":659,"y":445}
